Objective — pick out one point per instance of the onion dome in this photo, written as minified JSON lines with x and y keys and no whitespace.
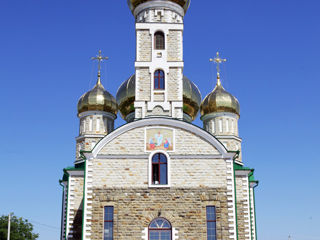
{"x":97,"y":99}
{"x":183,"y":3}
{"x":219,"y":100}
{"x":191,"y":98}
{"x":126,"y":97}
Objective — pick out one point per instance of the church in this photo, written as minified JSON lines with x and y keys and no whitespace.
{"x":158,"y":177}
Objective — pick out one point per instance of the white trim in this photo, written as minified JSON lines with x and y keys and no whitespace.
{"x":165,"y":105}
{"x":87,"y":211}
{"x":90,"y":136}
{"x":164,"y":26}
{"x":150,"y":171}
{"x":247,"y":193}
{"x":64,"y":206}
{"x":150,"y":65}
{"x":91,"y":113}
{"x":252,"y":214}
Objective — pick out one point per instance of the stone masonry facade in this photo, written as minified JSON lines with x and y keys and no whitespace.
{"x":134,"y":209}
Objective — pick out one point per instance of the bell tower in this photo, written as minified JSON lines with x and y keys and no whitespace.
{"x":159,"y":58}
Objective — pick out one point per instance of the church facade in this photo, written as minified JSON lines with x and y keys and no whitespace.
{"x":158,"y":177}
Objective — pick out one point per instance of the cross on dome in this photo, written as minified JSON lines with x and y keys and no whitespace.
{"x":218,"y":61}
{"x":99,"y":58}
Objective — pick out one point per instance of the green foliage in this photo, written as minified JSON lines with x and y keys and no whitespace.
{"x":20,"y":229}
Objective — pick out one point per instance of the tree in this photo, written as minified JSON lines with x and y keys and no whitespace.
{"x":20,"y":229}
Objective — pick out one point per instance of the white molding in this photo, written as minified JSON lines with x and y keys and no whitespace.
{"x":153,"y":65}
{"x":148,"y":122}
{"x":165,"y":27}
{"x":91,"y":113}
{"x":159,"y":4}
{"x":165,"y":105}
{"x":150,"y":170}
{"x":90,"y":136}
{"x":64,"y":206}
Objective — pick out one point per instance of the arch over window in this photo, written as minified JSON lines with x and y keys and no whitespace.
{"x":159,"y":80}
{"x":159,"y":40}
{"x":160,"y":229}
{"x":159,"y":169}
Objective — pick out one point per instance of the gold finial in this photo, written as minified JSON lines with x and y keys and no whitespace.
{"x":99,"y":58}
{"x":218,"y":61}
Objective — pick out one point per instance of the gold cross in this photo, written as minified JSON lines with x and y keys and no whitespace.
{"x":99,"y":58}
{"x":218,"y":61}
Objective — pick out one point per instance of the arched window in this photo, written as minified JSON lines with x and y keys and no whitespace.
{"x":160,"y":229}
{"x":159,"y":169}
{"x":159,"y":40}
{"x":159,"y":80}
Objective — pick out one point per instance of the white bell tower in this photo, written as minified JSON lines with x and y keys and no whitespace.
{"x":159,"y":59}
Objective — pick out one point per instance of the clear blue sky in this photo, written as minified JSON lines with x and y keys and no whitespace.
{"x":273,"y":50}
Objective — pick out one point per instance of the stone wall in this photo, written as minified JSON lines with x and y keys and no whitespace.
{"x":174,"y":41}
{"x":144,"y":45}
{"x":174,"y":84}
{"x":134,"y":209}
{"x":133,"y":143}
{"x":143,"y":83}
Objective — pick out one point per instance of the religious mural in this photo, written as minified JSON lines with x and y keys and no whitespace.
{"x":159,"y":139}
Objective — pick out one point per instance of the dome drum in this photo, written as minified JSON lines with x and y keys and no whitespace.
{"x":135,"y":4}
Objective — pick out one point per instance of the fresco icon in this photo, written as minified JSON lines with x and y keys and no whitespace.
{"x":159,"y":139}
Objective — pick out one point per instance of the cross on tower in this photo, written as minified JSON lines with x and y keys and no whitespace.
{"x":218,"y":61}
{"x":99,"y":58}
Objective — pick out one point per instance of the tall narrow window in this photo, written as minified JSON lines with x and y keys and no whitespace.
{"x":211,"y":223}
{"x":98,"y":124}
{"x":227,"y":125}
{"x":90,"y":124}
{"x":159,"y":40}
{"x":220,"y":125}
{"x":160,"y":229}
{"x":159,"y":80}
{"x":232,"y":126}
{"x":83,"y":125}
{"x":213,"y":126}
{"x":159,"y":169}
{"x":108,"y":223}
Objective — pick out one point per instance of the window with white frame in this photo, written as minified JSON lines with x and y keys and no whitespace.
{"x":160,"y":229}
{"x":159,"y":172}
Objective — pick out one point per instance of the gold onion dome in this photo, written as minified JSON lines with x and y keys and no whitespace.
{"x":97,"y":99}
{"x":126,"y":97}
{"x":219,"y":100}
{"x":183,"y":3}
